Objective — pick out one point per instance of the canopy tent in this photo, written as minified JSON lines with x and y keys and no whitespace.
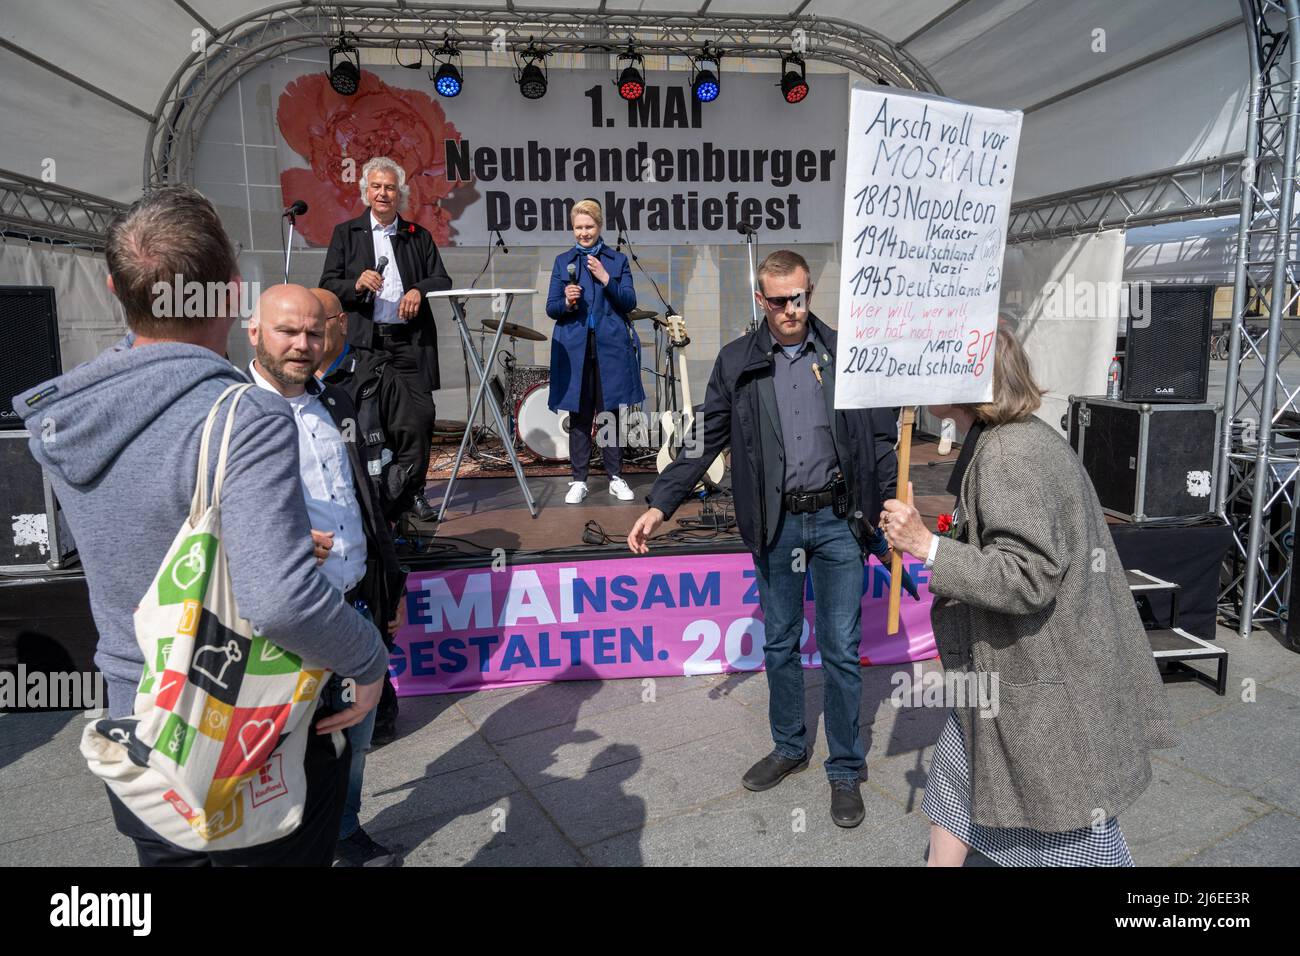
{"x":1135,"y":114}
{"x":1109,"y":89}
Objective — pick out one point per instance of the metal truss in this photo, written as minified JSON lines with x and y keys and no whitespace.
{"x":1192,"y":191}
{"x":1259,"y":447}
{"x":37,"y":209}
{"x":240,"y":46}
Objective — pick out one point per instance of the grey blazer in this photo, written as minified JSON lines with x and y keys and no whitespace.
{"x":1030,"y":588}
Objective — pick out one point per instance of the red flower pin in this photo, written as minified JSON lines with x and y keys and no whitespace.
{"x":945,"y":524}
{"x":411,"y":228}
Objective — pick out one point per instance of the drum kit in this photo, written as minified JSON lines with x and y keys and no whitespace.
{"x":523,"y":392}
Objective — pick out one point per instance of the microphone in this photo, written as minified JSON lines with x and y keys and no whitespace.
{"x":573,"y":272}
{"x":379,"y":267}
{"x":947,"y":433}
{"x":745,"y":229}
{"x":297,"y":209}
{"x":501,"y":242}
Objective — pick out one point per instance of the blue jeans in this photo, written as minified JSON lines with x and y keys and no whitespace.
{"x":832,"y":554}
{"x":359,"y":742}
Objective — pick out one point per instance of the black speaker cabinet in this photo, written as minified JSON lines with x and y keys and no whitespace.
{"x":29,"y":338}
{"x":34,"y":535}
{"x":1167,"y":347}
{"x":1148,"y":461}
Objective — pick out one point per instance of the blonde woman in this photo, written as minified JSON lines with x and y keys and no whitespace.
{"x":595,"y":355}
{"x":1029,"y":588}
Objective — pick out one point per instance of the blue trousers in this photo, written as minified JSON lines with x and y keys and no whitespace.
{"x":820,"y":544}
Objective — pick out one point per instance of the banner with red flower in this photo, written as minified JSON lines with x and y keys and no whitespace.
{"x":668,"y":169}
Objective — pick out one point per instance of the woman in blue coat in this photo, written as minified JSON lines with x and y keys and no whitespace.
{"x":595,"y":355}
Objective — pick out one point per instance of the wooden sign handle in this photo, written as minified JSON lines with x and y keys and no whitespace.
{"x":903,"y":492}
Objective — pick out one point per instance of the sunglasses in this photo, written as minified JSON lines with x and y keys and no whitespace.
{"x":781,"y":301}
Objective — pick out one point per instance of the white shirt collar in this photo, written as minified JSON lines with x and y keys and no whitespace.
{"x":388,"y":230}
{"x":313,"y":386}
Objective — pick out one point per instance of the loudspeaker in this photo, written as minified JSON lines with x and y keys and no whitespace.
{"x":1146,"y":461}
{"x":34,"y":535}
{"x":1167,"y":353}
{"x":29,"y":336}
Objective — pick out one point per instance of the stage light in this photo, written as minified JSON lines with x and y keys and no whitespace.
{"x":532,"y":78}
{"x":794,"y":85}
{"x":630,"y":82}
{"x":705,"y":82}
{"x":447,"y":80}
{"x":345,"y":66}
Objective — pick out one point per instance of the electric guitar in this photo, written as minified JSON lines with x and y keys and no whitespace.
{"x":676,"y":427}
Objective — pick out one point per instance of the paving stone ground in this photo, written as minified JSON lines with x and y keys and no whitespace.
{"x":593,"y":773}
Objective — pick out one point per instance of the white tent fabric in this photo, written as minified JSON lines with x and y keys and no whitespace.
{"x":1200,"y":251}
{"x":90,"y":319}
{"x":1183,"y":106}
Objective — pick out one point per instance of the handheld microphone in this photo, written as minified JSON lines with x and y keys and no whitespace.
{"x":573,"y":272}
{"x":947,"y":433}
{"x":297,"y":209}
{"x":380,"y":266}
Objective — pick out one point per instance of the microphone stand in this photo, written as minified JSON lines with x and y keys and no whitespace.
{"x":288,"y":249}
{"x":750,"y":242}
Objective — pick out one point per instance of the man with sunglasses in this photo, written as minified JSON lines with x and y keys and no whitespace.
{"x":803,"y":474}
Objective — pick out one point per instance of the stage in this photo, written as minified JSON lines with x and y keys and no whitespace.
{"x":487,"y":513}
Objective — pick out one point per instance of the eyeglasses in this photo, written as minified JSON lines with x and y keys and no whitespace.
{"x":781,"y":301}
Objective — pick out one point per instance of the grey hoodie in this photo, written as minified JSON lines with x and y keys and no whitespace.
{"x":121,"y":448}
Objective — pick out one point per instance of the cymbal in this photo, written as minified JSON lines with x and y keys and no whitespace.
{"x":636,"y":315}
{"x":515,"y":331}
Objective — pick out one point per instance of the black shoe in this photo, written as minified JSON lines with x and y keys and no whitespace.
{"x":771,"y":770}
{"x":385,"y":733}
{"x":421,"y":509}
{"x":846,"y":803}
{"x":360,"y":850}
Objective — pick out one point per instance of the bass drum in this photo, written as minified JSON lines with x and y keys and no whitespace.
{"x":545,"y":433}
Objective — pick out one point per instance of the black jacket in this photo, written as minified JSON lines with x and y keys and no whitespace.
{"x":384,"y":581}
{"x":740,"y":412}
{"x":352,"y":252}
{"x":386,"y":423}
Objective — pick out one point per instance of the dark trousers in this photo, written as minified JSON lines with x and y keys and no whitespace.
{"x":398,"y":341}
{"x":581,"y":421}
{"x":312,"y":844}
{"x":820,"y":545}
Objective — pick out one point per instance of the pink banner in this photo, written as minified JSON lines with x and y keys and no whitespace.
{"x":657,"y":616}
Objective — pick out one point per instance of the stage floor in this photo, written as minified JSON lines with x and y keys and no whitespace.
{"x":489,"y":513}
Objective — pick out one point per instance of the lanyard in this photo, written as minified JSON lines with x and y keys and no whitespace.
{"x":347,"y":347}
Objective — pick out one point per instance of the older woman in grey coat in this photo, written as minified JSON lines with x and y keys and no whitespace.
{"x":1029,"y":588}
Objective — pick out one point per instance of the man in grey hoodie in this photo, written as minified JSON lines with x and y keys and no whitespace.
{"x":119,"y":438}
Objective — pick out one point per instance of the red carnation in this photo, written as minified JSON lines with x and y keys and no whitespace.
{"x":337,"y":135}
{"x":945,"y":524}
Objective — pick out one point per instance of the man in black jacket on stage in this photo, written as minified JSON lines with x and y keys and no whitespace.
{"x":806,"y":479}
{"x":386,"y":307}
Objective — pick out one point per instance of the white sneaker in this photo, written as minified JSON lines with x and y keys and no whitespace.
{"x":619,"y":489}
{"x":577,"y":491}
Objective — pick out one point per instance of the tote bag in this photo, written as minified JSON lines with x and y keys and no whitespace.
{"x":212,"y":756}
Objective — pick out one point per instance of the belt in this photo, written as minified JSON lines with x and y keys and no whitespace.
{"x":393,"y":329}
{"x":807,"y":502}
{"x":353,"y":595}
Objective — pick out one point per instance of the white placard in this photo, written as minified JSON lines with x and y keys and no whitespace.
{"x":926,"y":200}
